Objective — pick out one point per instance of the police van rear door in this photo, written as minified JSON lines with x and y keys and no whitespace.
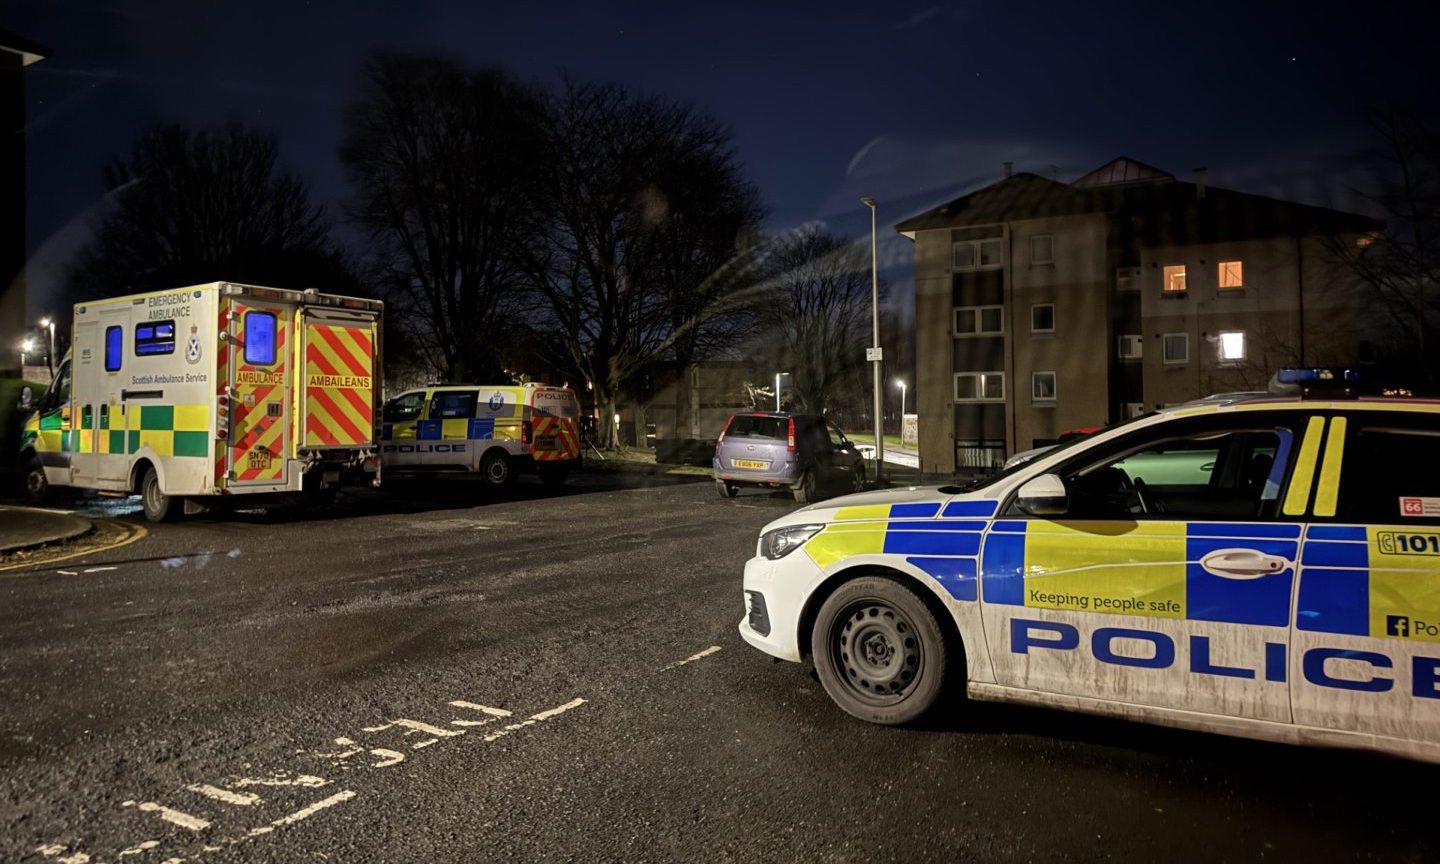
{"x":1168,"y":581}
{"x":1367,"y":628}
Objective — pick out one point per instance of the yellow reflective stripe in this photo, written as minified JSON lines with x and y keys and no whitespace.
{"x":1299,"y":494}
{"x":1329,"y":488}
{"x":865,"y":511}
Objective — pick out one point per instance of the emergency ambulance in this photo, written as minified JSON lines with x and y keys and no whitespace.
{"x":1267,"y":567}
{"x":215,"y":392}
{"x":494,"y":431}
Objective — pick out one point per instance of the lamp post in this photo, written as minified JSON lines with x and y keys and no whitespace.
{"x":26,"y":347}
{"x":874,"y":352}
{"x":777,"y":392}
{"x":901,"y":383}
{"x":49,"y":324}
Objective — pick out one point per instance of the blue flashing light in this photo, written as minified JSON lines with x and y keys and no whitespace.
{"x":1317,"y":376}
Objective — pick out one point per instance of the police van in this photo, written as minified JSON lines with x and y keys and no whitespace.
{"x":1267,"y":567}
{"x":494,"y":431}
{"x":215,"y":392}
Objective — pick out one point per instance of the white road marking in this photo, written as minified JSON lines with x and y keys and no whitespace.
{"x":140,"y":847}
{"x":50,"y":850}
{"x":471,"y":722}
{"x":418,"y":745}
{"x":77,"y":858}
{"x":174,"y":817}
{"x":416,"y":726}
{"x":282,"y":780}
{"x":67,"y":572}
{"x":535,"y":718}
{"x":692,"y":658}
{"x":305,"y":812}
{"x":343,"y":742}
{"x":483,"y":709}
{"x":388,"y":757}
{"x":173,"y":861}
{"x":239,"y":799}
{"x":100,"y":569}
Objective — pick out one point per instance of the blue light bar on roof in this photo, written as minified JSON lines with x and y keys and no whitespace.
{"x":1317,"y":375}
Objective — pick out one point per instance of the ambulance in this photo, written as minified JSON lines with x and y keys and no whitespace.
{"x":495,"y":431}
{"x":212,"y":393}
{"x":1267,"y":566}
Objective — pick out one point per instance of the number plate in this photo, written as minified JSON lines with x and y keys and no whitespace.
{"x":546,"y":442}
{"x":750,"y":463}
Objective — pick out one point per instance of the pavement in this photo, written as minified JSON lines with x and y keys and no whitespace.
{"x":437,"y":673}
{"x":27,"y":527}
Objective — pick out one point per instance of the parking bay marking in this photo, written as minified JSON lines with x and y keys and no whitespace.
{"x":713,"y":649}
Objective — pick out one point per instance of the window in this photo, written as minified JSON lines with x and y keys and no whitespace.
{"x":1234,"y":474}
{"x":114,"y":337}
{"x":749,"y":426}
{"x":452,"y":405}
{"x":1132,"y":346}
{"x":979,"y":320}
{"x":979,"y":386}
{"x":1372,"y":490}
{"x":978,"y":254}
{"x":259,"y":338}
{"x":1042,"y":386}
{"x":1231,"y":346}
{"x":403,"y":408}
{"x":1175,"y":348}
{"x":1042,"y":318}
{"x":1127,"y":279}
{"x":1174,"y":279}
{"x":1232,"y":275}
{"x":154,"y":337}
{"x":1042,"y":249}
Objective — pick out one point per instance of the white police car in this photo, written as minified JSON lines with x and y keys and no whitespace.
{"x":1268,"y":568}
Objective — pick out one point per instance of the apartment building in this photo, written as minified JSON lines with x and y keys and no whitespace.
{"x":1043,"y":306}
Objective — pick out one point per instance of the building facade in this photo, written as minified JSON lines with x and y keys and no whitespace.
{"x":16,"y":53}
{"x":1043,"y":306}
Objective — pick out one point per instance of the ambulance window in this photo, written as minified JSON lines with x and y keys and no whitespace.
{"x":1391,"y":475}
{"x":403,"y":408}
{"x":154,"y":337}
{"x":453,"y":405}
{"x":114,"y":337}
{"x":259,"y":338}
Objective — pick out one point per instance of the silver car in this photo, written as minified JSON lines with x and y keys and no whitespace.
{"x":804,"y":453}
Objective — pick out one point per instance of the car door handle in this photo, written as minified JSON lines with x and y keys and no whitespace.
{"x":1242,"y":564}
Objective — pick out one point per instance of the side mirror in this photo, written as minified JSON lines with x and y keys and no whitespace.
{"x":1043,"y":496}
{"x":27,"y":398}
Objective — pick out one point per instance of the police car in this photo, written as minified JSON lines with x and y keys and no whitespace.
{"x":1267,"y":567}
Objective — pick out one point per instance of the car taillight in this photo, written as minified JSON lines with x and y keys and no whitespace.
{"x":721,"y":439}
{"x":526,"y":429}
{"x":790,"y":437}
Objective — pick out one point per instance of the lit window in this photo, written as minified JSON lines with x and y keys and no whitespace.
{"x":1232,"y":274}
{"x":1042,"y":318}
{"x":1174,"y":279}
{"x":259,"y":338}
{"x":154,"y":337}
{"x":979,"y":320}
{"x":1231,"y":344}
{"x":113,"y":337}
{"x":979,"y":386}
{"x":1042,"y":386}
{"x":1132,"y":346}
{"x":1176,"y":348}
{"x":1042,"y":249}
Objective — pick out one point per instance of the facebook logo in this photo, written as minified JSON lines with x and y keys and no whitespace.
{"x":1397,"y":625}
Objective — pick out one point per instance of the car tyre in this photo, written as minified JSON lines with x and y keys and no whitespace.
{"x":726,"y":489}
{"x":879,"y":651}
{"x":37,"y":485}
{"x":158,"y":506}
{"x":497,"y":470}
{"x":805,"y":491}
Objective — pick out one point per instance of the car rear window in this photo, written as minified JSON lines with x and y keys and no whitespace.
{"x":750,"y":426}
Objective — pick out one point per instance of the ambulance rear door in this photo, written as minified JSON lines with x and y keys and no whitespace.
{"x":261,"y":380}
{"x":338,"y":395}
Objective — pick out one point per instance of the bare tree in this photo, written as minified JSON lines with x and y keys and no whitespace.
{"x":816,"y":314}
{"x":441,"y":160}
{"x":643,"y":248}
{"x":192,"y":207}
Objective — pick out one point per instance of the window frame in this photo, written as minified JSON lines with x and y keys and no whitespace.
{"x":1220,"y":347}
{"x":1220,"y":271}
{"x":1054,"y":388}
{"x":1049,"y":238}
{"x":274,"y":331}
{"x":1166,"y":272}
{"x":142,"y":347}
{"x":1138,"y":340}
{"x":1034,"y":307}
{"x":419,"y":412}
{"x":437,"y":395}
{"x":978,"y":257}
{"x":1361,"y":422}
{"x":979,"y":311}
{"x":119,"y":331}
{"x":980,"y":377}
{"x":1166,"y":361}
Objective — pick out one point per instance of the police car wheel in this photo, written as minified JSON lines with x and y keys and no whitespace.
{"x":158,"y":506}
{"x":726,"y":489}
{"x":496,"y":469}
{"x":879,"y":651}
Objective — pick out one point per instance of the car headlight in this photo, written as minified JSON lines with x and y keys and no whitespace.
{"x":782,"y":541}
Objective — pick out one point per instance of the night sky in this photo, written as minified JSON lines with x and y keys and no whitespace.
{"x":910,"y":103}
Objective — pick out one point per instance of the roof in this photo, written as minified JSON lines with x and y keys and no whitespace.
{"x":30,"y":52}
{"x":1157,"y":207}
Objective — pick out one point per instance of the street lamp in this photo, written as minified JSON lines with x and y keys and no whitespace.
{"x":874,"y":352}
{"x":900,"y":382}
{"x":26,"y":347}
{"x":49,"y":324}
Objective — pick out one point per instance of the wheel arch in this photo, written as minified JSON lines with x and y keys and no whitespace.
{"x":137,"y":471}
{"x":929,"y":594}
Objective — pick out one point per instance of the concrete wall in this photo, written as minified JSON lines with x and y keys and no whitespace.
{"x":934,"y":346}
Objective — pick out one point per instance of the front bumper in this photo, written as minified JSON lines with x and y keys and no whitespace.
{"x":784,"y":586}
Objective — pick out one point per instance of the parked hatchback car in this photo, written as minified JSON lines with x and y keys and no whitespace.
{"x":804,"y":453}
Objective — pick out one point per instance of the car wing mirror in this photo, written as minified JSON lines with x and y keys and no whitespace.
{"x":1043,"y":496}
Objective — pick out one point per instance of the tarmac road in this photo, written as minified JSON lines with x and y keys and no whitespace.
{"x":439,"y":675}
